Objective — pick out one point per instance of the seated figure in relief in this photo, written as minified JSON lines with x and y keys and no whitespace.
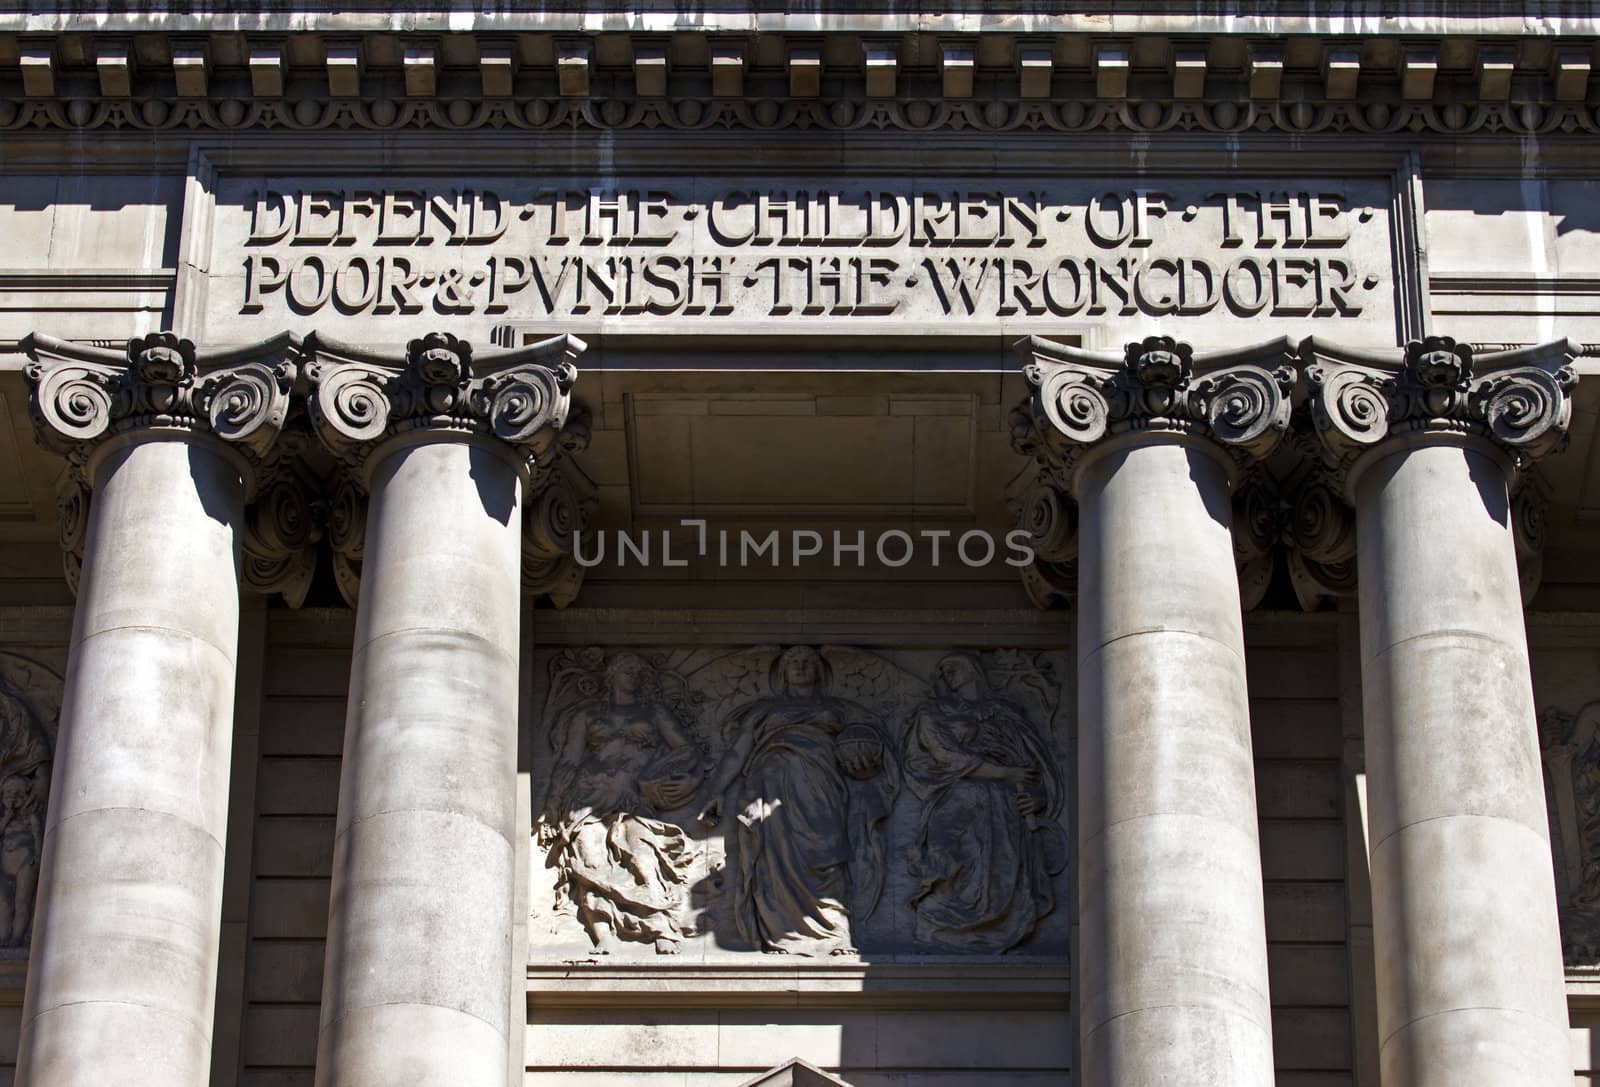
{"x":988,"y":841}
{"x":622,"y":761}
{"x":810,"y":781}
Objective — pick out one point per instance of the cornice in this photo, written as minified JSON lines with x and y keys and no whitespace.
{"x":990,"y":17}
{"x":845,"y":72}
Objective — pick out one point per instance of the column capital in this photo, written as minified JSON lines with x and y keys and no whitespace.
{"x":361,"y":398}
{"x":1239,"y":399}
{"x":81,"y":396}
{"x":1519,"y":402}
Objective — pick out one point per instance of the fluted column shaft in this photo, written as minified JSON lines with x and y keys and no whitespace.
{"x":419,"y":935}
{"x":1171,"y":974}
{"x":122,"y":971}
{"x":1471,"y":987}
{"x":1172,"y":970}
{"x":1470,"y":982}
{"x":419,"y":956}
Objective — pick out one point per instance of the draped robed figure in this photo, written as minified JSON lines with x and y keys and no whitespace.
{"x":810,"y":781}
{"x":989,"y":839}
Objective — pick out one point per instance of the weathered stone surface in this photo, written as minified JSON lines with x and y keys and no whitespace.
{"x":851,"y":803}
{"x":134,"y":846}
{"x":1458,"y":831}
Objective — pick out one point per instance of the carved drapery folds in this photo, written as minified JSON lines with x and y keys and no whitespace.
{"x":803,"y":800}
{"x":360,"y":399}
{"x":30,"y":709}
{"x":83,"y":396}
{"x":1240,"y":399}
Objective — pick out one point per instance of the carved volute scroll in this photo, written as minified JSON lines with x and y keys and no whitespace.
{"x":360,"y":399}
{"x":82,"y":396}
{"x":1240,"y":399}
{"x":1518,"y":401}
{"x":284,"y":523}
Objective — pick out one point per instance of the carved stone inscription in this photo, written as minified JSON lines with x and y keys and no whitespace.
{"x":724,"y":253}
{"x":800,"y":800}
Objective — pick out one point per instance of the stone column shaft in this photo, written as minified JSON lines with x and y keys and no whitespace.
{"x":1171,"y":974}
{"x":1470,"y":982}
{"x":122,"y":973}
{"x":419,"y":937}
{"x":1172,"y":971}
{"x":1471,"y":987}
{"x":419,"y":957}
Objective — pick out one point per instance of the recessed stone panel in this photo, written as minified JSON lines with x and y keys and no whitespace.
{"x":1219,"y":260}
{"x":717,"y":805}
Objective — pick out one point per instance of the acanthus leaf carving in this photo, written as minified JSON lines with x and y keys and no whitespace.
{"x":561,"y":499}
{"x":521,"y":397}
{"x":284,"y":521}
{"x":1241,"y":399}
{"x":347,"y":534}
{"x":1042,"y":507}
{"x":1519,"y":401}
{"x":82,"y":394}
{"x":1530,"y":507}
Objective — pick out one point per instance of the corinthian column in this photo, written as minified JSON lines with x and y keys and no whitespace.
{"x":1470,"y":978}
{"x":122,"y":972}
{"x":419,"y":935}
{"x":1171,"y":978}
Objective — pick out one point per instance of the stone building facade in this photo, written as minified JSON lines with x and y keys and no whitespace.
{"x":591,"y":546}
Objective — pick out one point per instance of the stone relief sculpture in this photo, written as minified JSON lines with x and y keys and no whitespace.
{"x":810,"y":779}
{"x":622,"y":759}
{"x":799,"y":800}
{"x":988,"y":840}
{"x":30,"y":703}
{"x":1572,"y":777}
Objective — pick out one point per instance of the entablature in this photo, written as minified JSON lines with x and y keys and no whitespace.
{"x":1477,"y":73}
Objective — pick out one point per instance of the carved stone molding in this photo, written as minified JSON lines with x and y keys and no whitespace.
{"x":1518,"y":401}
{"x":1530,"y":506}
{"x":1239,"y":399}
{"x":1225,"y":115}
{"x":522,"y":397}
{"x":1257,"y":522}
{"x":284,"y":522}
{"x":1320,"y":534}
{"x":82,"y":395}
{"x":1039,"y":501}
{"x":562,"y":499}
